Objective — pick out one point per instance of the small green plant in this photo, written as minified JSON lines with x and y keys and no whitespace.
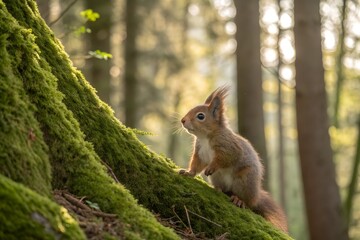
{"x":92,"y":205}
{"x":100,"y":55}
{"x":82,"y":30}
{"x":90,"y":15}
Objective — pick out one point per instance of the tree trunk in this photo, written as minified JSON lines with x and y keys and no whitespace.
{"x":80,"y":131}
{"x":339,"y":65}
{"x":130,"y":75}
{"x":321,"y":191}
{"x":98,"y":70}
{"x":354,"y":179}
{"x":249,"y":81}
{"x":281,"y":143}
{"x":44,"y":9}
{"x":281,"y":149}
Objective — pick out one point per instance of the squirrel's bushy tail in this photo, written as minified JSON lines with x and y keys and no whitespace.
{"x":267,"y":208}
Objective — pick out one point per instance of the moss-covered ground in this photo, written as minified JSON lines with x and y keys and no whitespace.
{"x":25,"y":214}
{"x":81,"y":131}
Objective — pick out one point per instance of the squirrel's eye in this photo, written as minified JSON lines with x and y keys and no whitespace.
{"x":200,"y":116}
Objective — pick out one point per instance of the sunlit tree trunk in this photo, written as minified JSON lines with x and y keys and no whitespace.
{"x":281,"y":143}
{"x":340,"y":66}
{"x":321,"y":191}
{"x":117,"y":60}
{"x":130,"y":78}
{"x":281,"y":151}
{"x":97,"y":71}
{"x":173,"y":138}
{"x":249,"y":81}
{"x":44,"y":9}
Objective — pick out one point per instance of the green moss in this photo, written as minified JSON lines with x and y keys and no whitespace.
{"x":23,"y":154}
{"x":76,"y":165}
{"x":25,"y":214}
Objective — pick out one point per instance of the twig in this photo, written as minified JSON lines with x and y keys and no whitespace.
{"x":110,"y":171}
{"x":75,"y":201}
{"x":187,"y":215}
{"x":102,"y":214}
{"x":81,"y":205}
{"x":289,"y":84}
{"x":63,"y":13}
{"x":204,"y":218}
{"x":173,"y":208}
{"x":222,"y":237}
{"x":81,"y":57}
{"x":83,"y":224}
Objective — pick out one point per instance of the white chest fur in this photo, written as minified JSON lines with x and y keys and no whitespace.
{"x":206,"y":153}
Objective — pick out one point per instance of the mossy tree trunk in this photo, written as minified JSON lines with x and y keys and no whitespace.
{"x":68,"y":129}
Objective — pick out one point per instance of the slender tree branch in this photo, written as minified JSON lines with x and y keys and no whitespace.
{"x":63,"y":13}
{"x":275,"y":72}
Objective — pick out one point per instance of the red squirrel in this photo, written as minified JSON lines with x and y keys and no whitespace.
{"x":230,"y":161}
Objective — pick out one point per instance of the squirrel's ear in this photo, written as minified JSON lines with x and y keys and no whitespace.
{"x":221,"y":92}
{"x":210,"y":97}
{"x":216,"y":108}
{"x":216,"y":103}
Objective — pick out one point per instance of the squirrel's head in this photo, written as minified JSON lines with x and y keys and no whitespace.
{"x":208,"y":117}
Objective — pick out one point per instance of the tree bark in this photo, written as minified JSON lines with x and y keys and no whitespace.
{"x":280,"y":104}
{"x":352,"y":189}
{"x":81,"y":131}
{"x":44,"y":9}
{"x":340,"y":76}
{"x":249,"y":80}
{"x":321,"y":191}
{"x":130,"y":75}
{"x":97,"y":71}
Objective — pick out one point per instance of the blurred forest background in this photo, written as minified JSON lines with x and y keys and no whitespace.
{"x":152,"y":61}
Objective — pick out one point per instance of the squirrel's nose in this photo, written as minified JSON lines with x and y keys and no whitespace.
{"x":183,"y":120}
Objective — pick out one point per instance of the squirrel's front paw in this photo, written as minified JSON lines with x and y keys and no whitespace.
{"x":209,"y":171}
{"x":186,"y":173}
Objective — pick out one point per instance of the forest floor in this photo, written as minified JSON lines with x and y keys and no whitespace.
{"x":95,"y":223}
{"x":98,"y":225}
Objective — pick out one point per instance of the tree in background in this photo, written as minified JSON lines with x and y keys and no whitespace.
{"x":352,"y":189}
{"x":97,"y":71}
{"x":131,"y":65}
{"x":322,"y":197}
{"x":249,"y":80}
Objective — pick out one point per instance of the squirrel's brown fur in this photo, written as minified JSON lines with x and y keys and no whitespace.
{"x":229,"y":160}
